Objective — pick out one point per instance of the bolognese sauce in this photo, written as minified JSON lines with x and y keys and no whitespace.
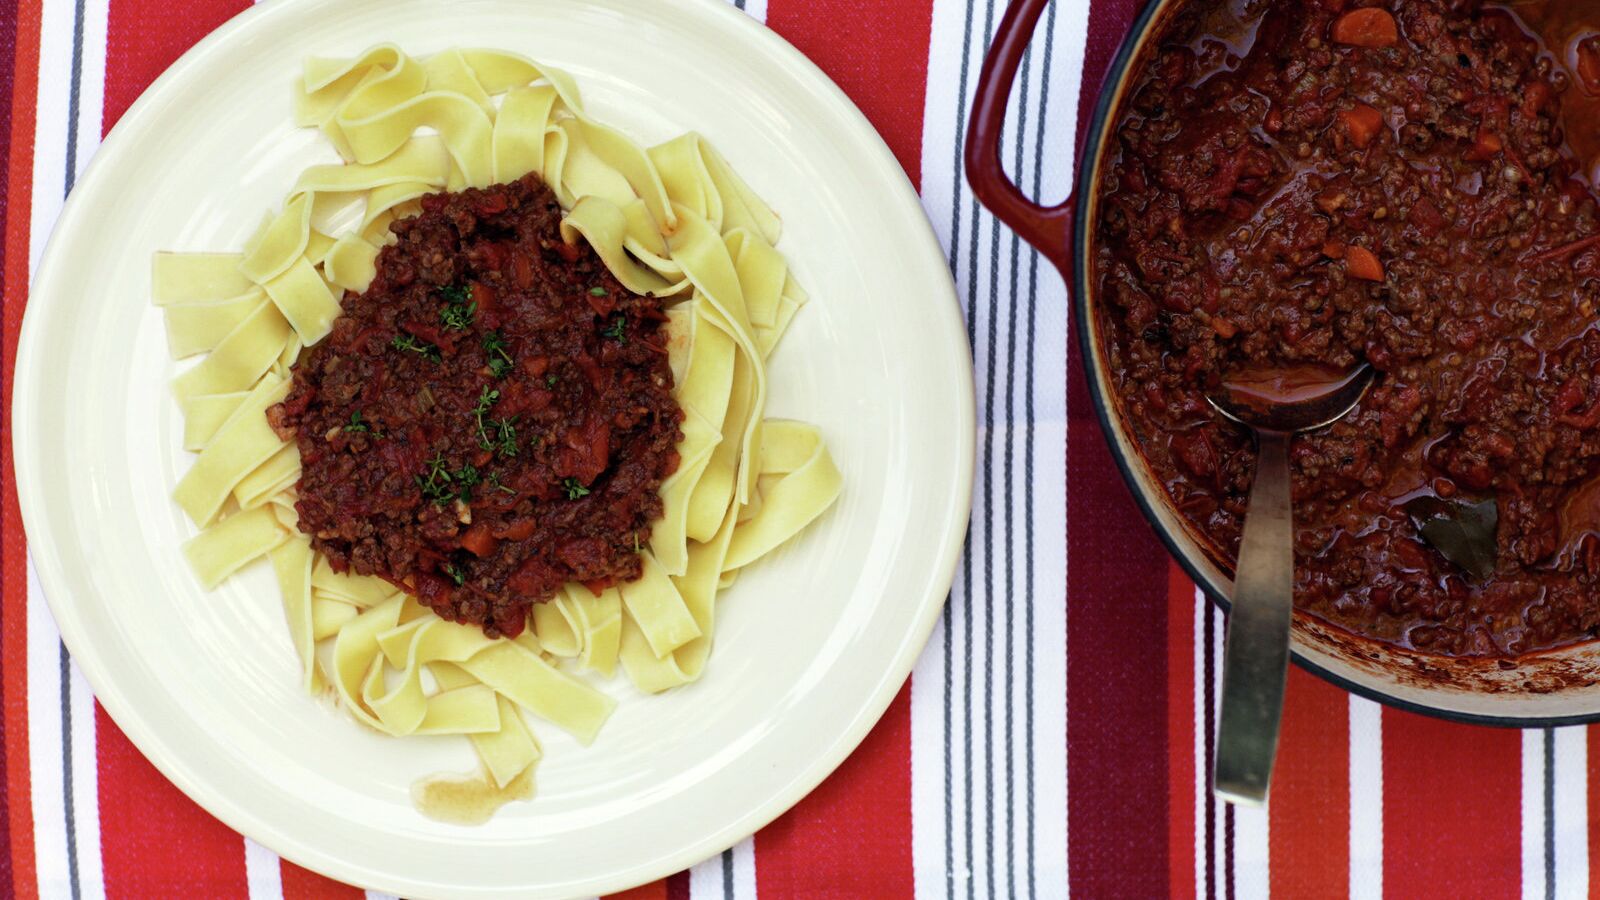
{"x":491,"y":418}
{"x":1340,"y":182}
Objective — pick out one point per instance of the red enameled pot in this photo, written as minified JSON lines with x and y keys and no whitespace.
{"x":1556,"y":687}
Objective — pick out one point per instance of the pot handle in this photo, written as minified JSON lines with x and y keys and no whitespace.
{"x":1049,"y":228}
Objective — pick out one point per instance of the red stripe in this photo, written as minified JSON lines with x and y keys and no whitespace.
{"x":655,"y":890}
{"x":23,"y":79}
{"x":154,"y":842}
{"x":1180,"y":734}
{"x":1309,"y":824}
{"x":144,"y":37}
{"x":1117,"y":756}
{"x":1593,"y":808}
{"x":304,"y":884}
{"x":1452,"y":810}
{"x":876,"y":52}
{"x":852,"y":836}
{"x":1108,"y":25}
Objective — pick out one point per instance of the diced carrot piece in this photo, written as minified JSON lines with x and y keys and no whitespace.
{"x":1362,"y":122}
{"x":478,"y":541}
{"x":1487,"y":145}
{"x":1369,"y":27}
{"x":1361,"y":263}
{"x":1223,"y":327}
{"x":1333,"y":250}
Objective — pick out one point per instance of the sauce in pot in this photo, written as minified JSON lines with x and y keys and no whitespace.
{"x":1317,"y":184}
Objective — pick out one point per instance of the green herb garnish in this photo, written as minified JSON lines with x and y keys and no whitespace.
{"x":466,"y":478}
{"x":500,"y":362}
{"x":407,"y":342}
{"x":486,"y":399}
{"x":616,"y":330}
{"x":597,"y":292}
{"x":437,"y":484}
{"x":356,"y":424}
{"x":493,"y":483}
{"x":457,"y":317}
{"x":455,"y":573}
{"x":574,"y":488}
{"x":456,"y":294}
{"x":550,"y":380}
{"x":505,"y":436}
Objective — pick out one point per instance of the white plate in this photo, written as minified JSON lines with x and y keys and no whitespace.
{"x":811,"y":645}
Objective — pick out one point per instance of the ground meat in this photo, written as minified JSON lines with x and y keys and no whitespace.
{"x":490,"y":419}
{"x":1306,"y":188}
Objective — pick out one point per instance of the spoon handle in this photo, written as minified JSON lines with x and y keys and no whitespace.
{"x":1256,"y":661}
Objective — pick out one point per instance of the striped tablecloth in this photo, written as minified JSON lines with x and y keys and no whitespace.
{"x":1054,"y":736}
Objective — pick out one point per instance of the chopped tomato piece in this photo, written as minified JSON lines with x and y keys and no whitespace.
{"x":1487,"y":145}
{"x":1589,"y":64}
{"x":1362,"y":123}
{"x":1333,"y":249}
{"x":569,"y":252}
{"x":521,"y":270}
{"x":1362,"y":263}
{"x":478,"y":541}
{"x":1369,"y":27}
{"x":520,"y":530}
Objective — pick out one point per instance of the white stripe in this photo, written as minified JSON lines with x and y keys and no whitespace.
{"x":931,"y":804}
{"x":744,"y":870}
{"x":1007,"y":816}
{"x":709,"y":880}
{"x":1250,"y":853}
{"x":1533,"y":813}
{"x":379,"y":895}
{"x":1366,"y":800}
{"x":1572,"y":812}
{"x":262,"y":873}
{"x":46,"y":741}
{"x":44,"y":746}
{"x":756,"y":9}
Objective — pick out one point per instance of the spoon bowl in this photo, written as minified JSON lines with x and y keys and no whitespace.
{"x":1287,"y":400}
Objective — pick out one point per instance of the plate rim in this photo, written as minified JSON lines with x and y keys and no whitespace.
{"x":780,"y":55}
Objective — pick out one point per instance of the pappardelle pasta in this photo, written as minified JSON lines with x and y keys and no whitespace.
{"x":669,"y":221}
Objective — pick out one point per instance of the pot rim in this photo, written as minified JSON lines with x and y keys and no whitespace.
{"x":1089,"y":158}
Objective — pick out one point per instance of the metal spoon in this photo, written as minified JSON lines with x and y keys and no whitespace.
{"x":1274,"y":405}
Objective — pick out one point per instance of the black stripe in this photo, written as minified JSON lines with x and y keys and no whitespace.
{"x":1549,"y":814}
{"x":1008,"y":492}
{"x":1027,"y":453}
{"x":1227,"y":852}
{"x":949,"y":786}
{"x":966,"y":556}
{"x":727,"y":855}
{"x":739,"y":3}
{"x":1209,"y":704}
{"x":988,"y":517}
{"x":73,"y":108}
